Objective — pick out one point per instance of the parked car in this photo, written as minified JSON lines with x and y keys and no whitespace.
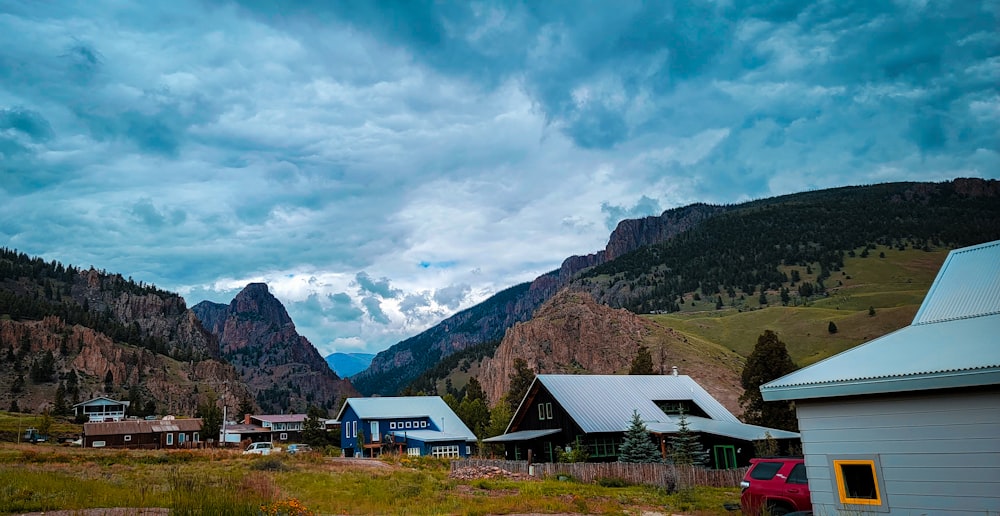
{"x":775,"y":486}
{"x":298,"y":448}
{"x":261,"y":448}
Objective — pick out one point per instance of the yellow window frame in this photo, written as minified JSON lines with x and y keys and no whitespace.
{"x":842,"y":488}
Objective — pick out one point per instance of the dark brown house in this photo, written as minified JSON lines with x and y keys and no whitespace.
{"x":146,"y":434}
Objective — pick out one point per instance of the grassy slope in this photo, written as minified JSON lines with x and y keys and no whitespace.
{"x":894,"y":286}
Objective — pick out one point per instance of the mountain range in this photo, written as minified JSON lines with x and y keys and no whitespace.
{"x":731,"y":254}
{"x":691,"y":285}
{"x":347,"y":364}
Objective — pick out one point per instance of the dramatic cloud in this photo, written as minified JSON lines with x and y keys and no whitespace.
{"x":382,"y":165}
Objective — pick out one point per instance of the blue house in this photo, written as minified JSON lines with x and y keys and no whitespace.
{"x":415,"y":425}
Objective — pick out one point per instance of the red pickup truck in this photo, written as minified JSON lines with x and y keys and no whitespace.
{"x":775,"y":486}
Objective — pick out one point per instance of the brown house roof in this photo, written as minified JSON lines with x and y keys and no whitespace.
{"x":140,"y":426}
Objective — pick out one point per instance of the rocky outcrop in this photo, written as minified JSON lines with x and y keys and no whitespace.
{"x":154,"y":313}
{"x":392,"y":369}
{"x":93,"y":358}
{"x":282,"y":368}
{"x":572,"y":334}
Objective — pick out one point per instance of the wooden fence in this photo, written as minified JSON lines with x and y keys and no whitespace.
{"x":666,"y":475}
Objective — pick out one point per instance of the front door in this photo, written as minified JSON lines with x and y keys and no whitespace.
{"x":375,"y":435}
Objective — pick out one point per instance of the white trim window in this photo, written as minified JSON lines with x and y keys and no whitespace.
{"x":128,"y":438}
{"x":282,"y":436}
{"x":409,"y":424}
{"x":423,"y":424}
{"x":413,"y":452}
{"x":450,"y":450}
{"x":170,"y":439}
{"x":392,"y":425}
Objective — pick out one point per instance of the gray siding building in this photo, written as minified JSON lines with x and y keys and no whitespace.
{"x":909,"y":423}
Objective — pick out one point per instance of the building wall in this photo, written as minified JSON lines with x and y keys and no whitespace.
{"x":936,"y":453}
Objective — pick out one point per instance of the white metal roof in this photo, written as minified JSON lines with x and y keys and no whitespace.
{"x":431,"y":436}
{"x":604,"y":403}
{"x":741,"y":431}
{"x":401,"y":407}
{"x":968,"y":285}
{"x":952,"y":342}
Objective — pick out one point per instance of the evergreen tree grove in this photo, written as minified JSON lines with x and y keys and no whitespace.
{"x":637,"y":445}
{"x":768,"y":361}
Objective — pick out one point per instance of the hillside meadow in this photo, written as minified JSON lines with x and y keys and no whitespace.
{"x":889,"y":281}
{"x":35,"y":478}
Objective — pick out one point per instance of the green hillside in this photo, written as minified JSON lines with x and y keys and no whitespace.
{"x":894,"y":285}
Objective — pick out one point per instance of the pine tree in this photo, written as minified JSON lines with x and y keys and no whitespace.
{"x":314,"y":427}
{"x":520,"y":381}
{"x":637,"y":445}
{"x":59,"y":407}
{"x":211,"y":417}
{"x":642,"y":363}
{"x":768,"y":361}
{"x":685,"y":448}
{"x":474,"y":390}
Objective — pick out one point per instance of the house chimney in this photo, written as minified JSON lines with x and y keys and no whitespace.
{"x":674,"y":371}
{"x":246,"y":419}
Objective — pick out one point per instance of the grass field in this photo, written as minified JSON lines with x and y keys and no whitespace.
{"x":894,"y":285}
{"x":48,"y":477}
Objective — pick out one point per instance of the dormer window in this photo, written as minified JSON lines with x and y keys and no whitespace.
{"x":675,"y":407}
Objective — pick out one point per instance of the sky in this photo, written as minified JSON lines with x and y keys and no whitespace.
{"x":382,"y":165}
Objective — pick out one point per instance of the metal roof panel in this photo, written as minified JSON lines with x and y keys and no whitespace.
{"x":968,"y":285}
{"x":604,"y":403}
{"x":399,"y":407}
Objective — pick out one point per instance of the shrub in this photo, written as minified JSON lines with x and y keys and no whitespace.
{"x":611,"y":482}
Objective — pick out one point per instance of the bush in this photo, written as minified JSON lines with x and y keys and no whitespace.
{"x":611,"y":482}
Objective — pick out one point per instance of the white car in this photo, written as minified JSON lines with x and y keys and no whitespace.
{"x":261,"y":448}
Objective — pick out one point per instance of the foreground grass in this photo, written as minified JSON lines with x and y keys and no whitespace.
{"x":46,"y":478}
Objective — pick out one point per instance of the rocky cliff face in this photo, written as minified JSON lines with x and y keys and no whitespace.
{"x":161,"y":314}
{"x":282,"y":368}
{"x":572,"y":334}
{"x":93,"y":358}
{"x":394,"y":368}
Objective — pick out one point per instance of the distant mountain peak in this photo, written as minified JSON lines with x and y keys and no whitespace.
{"x":257,"y":299}
{"x":282,"y":368}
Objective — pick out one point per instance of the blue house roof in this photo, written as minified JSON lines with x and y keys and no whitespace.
{"x":431,"y":407}
{"x":952,"y":341}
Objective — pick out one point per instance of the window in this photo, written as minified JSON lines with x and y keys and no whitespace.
{"x":413,"y":452}
{"x":541,"y":411}
{"x":408,"y":424}
{"x":857,"y":483}
{"x":170,"y":439}
{"x":196,"y":437}
{"x":180,"y":438}
{"x":128,"y":438}
{"x":548,"y":411}
{"x":725,"y":456}
{"x":392,"y":425}
{"x":282,"y":436}
{"x":798,"y":475}
{"x":423,"y":424}
{"x":445,"y":451}
{"x":765,"y":470}
{"x":97,"y":444}
{"x":354,"y":427}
